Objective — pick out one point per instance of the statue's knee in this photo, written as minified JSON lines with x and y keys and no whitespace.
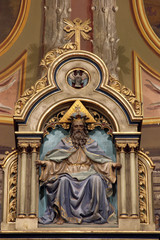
{"x":96,"y":178}
{"x":64,"y":180}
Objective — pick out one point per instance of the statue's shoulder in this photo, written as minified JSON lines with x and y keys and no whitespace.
{"x":67,"y":140}
{"x":90,"y":141}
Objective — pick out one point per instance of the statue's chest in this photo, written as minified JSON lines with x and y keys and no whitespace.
{"x":78,"y":157}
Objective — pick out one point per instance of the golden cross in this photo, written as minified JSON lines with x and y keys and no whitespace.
{"x":78,"y":28}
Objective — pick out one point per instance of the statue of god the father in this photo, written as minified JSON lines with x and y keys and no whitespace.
{"x":77,"y":176}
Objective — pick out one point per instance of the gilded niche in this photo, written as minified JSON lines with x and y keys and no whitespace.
{"x":83,"y":173}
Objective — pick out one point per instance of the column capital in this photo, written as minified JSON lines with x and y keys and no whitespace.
{"x":34,"y":146}
{"x":121,"y":146}
{"x":133,"y":146}
{"x":23,"y":145}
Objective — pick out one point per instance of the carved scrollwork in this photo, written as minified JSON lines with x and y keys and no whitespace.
{"x":127,"y":93}
{"x":54,"y":53}
{"x":53,"y":122}
{"x":12,"y":192}
{"x":142,"y":192}
{"x":100,"y":121}
{"x":29,"y":93}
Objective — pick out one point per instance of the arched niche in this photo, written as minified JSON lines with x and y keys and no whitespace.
{"x":102,"y":133}
{"x":103,"y":94}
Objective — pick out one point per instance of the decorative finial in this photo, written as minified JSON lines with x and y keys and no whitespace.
{"x":78,"y":28}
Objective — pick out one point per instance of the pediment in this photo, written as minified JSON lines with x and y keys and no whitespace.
{"x":72,"y":75}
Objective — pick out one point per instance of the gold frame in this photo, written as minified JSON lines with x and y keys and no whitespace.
{"x":139,"y":64}
{"x":19,"y":63}
{"x":144,"y":26}
{"x":17,"y":28}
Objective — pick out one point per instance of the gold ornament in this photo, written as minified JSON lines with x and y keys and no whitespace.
{"x":143,"y":211}
{"x":78,"y":28}
{"x":127,"y":93}
{"x":54,"y":53}
{"x":29,"y":93}
{"x":12,"y":192}
{"x":98,"y":120}
{"x":77,"y":109}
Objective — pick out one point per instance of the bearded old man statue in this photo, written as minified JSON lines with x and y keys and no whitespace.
{"x":77,"y":176}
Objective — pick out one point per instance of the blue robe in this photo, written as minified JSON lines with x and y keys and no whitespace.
{"x":81,"y":196}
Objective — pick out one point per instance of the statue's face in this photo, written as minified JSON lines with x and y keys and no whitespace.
{"x":78,"y":125}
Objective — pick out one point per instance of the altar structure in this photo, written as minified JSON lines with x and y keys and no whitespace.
{"x":74,"y":76}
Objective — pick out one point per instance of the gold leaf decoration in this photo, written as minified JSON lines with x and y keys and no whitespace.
{"x":54,"y":53}
{"x":78,"y":28}
{"x":97,"y":120}
{"x":127,"y":93}
{"x":29,"y":93}
{"x":101,"y":122}
{"x":142,"y":192}
{"x":53,"y":122}
{"x":77,"y":108}
{"x":12,"y":192}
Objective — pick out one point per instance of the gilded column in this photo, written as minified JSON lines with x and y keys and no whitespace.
{"x":34,"y":147}
{"x":123,"y":212}
{"x":134,"y":206}
{"x":23,"y":165}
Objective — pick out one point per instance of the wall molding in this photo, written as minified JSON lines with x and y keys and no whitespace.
{"x":138,"y":66}
{"x":19,"y":67}
{"x":144,"y":26}
{"x":17,"y":28}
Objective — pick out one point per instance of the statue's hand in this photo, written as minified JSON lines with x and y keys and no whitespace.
{"x":45,"y":167}
{"x":40,"y":163}
{"x":116,"y":165}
